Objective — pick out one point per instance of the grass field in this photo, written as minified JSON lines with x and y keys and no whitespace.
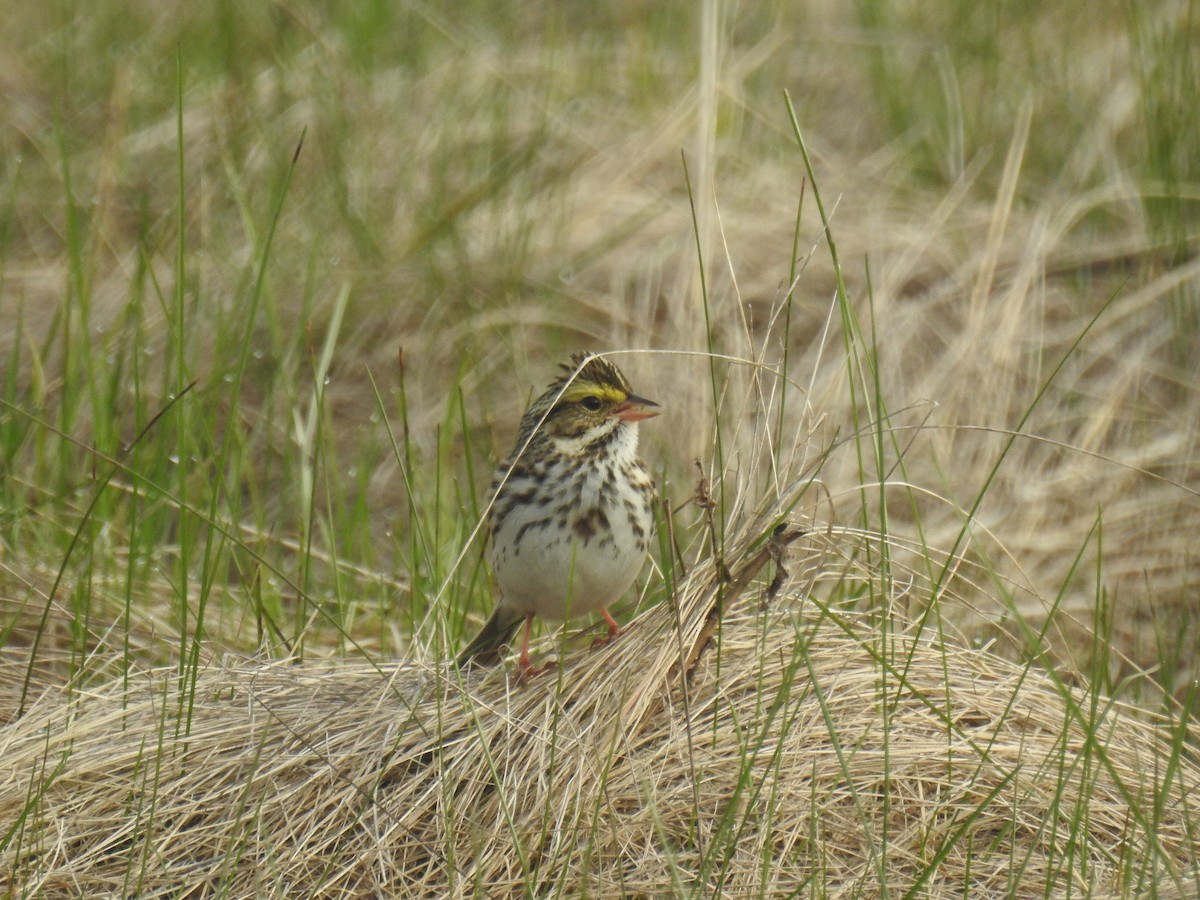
{"x":277,"y":281}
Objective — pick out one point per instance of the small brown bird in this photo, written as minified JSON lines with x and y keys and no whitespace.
{"x":573,"y":511}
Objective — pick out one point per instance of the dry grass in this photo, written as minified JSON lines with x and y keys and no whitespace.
{"x":488,"y":195}
{"x":811,"y":751}
{"x":576,"y":232}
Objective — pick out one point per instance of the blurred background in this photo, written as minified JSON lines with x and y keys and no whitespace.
{"x":277,"y":281}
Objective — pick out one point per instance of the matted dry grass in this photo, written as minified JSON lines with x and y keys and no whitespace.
{"x":810,"y":752}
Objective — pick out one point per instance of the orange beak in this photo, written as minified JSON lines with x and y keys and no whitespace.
{"x":636,"y":408}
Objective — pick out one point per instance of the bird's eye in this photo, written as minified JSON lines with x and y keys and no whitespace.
{"x":591,"y":403}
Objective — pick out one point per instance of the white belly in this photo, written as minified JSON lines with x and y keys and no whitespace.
{"x":573,"y":555}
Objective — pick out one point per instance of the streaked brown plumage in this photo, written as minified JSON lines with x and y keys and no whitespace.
{"x":573,"y":512}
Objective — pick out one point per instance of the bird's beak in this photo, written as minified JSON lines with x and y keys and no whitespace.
{"x":636,"y":408}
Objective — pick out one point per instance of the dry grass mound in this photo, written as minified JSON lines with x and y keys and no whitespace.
{"x":807,"y":752}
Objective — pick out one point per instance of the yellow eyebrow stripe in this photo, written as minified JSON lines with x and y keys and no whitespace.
{"x":578,"y":391}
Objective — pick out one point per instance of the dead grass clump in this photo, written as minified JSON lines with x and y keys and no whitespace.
{"x":810,"y":752}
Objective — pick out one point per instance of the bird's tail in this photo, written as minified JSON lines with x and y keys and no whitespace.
{"x":486,"y":647}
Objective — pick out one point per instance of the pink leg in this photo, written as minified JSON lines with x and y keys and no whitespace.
{"x":613,"y":629}
{"x":524,"y":666}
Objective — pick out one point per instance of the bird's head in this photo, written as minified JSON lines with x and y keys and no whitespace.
{"x":589,"y":403}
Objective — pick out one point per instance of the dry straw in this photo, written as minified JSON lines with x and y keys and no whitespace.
{"x":807,"y":752}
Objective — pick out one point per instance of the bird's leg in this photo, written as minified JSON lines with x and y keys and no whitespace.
{"x":525,"y":667}
{"x":613,"y":629}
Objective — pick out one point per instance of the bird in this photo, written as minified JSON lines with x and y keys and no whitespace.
{"x":572,"y":512}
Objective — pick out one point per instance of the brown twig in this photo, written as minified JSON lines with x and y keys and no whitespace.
{"x":725,"y":595}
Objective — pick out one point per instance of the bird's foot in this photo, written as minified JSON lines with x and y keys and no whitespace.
{"x":614,"y":631}
{"x":526,"y":670}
